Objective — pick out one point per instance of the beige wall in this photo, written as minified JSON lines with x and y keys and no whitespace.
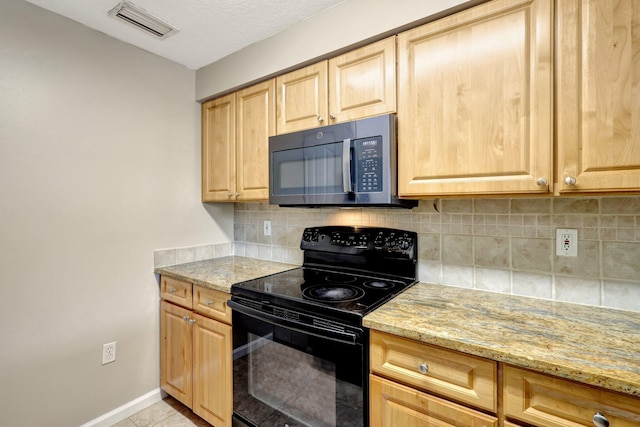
{"x":348,"y":23}
{"x":99,"y":166}
{"x":499,"y":245}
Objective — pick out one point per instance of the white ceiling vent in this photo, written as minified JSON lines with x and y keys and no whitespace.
{"x":134,"y":15}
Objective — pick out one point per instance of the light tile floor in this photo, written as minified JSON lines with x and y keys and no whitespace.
{"x":166,"y":413}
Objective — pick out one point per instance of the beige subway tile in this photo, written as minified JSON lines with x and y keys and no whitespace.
{"x":430,"y":271}
{"x":569,"y":205}
{"x":491,"y":251}
{"x":457,"y":206}
{"x":620,"y":205}
{"x":222,"y":249}
{"x":578,"y":290}
{"x":622,"y":295}
{"x":457,"y":249}
{"x":625,"y":234}
{"x":491,"y":205}
{"x":457,"y":275}
{"x":621,"y":260}
{"x":494,"y":280}
{"x":204,"y":252}
{"x":184,"y":255}
{"x":531,"y":254}
{"x":164,"y":257}
{"x":586,"y":264}
{"x":532,"y":285}
{"x":531,"y":206}
{"x":429,"y":247}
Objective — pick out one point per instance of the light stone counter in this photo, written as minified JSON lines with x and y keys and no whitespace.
{"x":221,"y":273}
{"x":592,"y":345}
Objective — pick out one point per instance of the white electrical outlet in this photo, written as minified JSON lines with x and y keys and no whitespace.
{"x":566,"y":242}
{"x":267,"y":228}
{"x":108,"y":353}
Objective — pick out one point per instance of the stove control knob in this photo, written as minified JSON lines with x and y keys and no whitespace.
{"x":405,"y":244}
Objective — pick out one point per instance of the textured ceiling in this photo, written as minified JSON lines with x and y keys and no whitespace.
{"x":209,"y":29}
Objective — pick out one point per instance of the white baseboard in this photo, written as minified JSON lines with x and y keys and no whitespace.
{"x":126,"y":410}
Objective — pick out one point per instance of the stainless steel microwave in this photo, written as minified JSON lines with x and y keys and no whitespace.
{"x":346,"y":164}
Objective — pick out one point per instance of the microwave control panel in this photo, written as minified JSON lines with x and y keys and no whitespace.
{"x":368,"y":173}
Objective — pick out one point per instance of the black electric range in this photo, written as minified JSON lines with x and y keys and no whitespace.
{"x":300,"y":352}
{"x":347,"y":272}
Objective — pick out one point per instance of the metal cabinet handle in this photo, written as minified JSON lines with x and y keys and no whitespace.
{"x":600,"y":420}
{"x":230,"y":194}
{"x":237,"y":194}
{"x":570,"y":180}
{"x":332,"y":116}
{"x":172,"y":290}
{"x":185,"y":317}
{"x":192,"y":321}
{"x":542,"y":182}
{"x":209,"y":302}
{"x":423,"y":368}
{"x":320,"y":119}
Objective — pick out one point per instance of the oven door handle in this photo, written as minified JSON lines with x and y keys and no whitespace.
{"x":326,"y":333}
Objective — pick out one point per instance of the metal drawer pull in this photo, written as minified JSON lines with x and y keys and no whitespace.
{"x":192,"y":321}
{"x":185,"y":317}
{"x":600,"y":420}
{"x":172,"y":290}
{"x":542,"y":182}
{"x":570,"y":180}
{"x":209,"y":302}
{"x":423,"y":368}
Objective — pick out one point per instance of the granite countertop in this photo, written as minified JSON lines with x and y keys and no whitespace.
{"x":221,"y":273}
{"x":593,"y":345}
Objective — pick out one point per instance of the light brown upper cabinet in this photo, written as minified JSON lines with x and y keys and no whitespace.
{"x":598,"y":86}
{"x":357,"y":84}
{"x":475,"y":102}
{"x":235,"y":144}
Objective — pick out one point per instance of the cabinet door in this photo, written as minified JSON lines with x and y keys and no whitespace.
{"x":256,"y":122}
{"x":547,"y":401}
{"x":362,"y":83}
{"x":175,"y":352}
{"x":213,"y":378}
{"x":218,"y":149}
{"x":302,"y":98}
{"x":598,"y":95}
{"x":475,"y":102}
{"x":395,"y":405}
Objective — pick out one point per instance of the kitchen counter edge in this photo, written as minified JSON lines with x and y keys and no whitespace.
{"x":220,"y":273}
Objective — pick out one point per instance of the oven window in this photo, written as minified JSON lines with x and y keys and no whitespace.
{"x":283,"y":377}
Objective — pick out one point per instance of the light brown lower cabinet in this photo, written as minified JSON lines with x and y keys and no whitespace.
{"x":546,"y":401}
{"x":393,"y":404}
{"x":196,"y":353}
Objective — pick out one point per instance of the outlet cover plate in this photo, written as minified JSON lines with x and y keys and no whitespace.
{"x":567,"y":242}
{"x":108,"y":353}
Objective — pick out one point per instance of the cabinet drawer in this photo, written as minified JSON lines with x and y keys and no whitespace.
{"x":177,"y":291}
{"x":211,"y":303}
{"x":397,"y":405}
{"x":465,"y":378}
{"x":547,"y":401}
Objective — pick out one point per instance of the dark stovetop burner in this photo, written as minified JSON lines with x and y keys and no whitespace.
{"x":333,"y":293}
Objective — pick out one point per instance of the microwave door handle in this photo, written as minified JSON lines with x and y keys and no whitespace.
{"x":346,"y":165}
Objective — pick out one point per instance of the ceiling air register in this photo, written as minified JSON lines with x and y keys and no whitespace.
{"x":136,"y":16}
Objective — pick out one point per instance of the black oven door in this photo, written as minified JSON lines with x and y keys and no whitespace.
{"x":286,"y":376}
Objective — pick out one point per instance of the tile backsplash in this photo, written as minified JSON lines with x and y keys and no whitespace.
{"x":500,"y":245}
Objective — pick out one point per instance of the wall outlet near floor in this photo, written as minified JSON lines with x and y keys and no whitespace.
{"x":566,"y":242}
{"x":267,"y":228}
{"x":108,"y":353}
